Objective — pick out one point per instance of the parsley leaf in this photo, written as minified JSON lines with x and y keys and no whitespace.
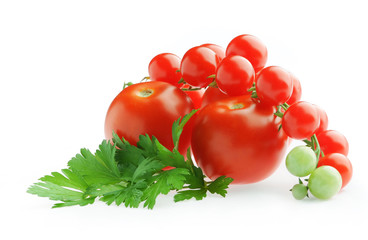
{"x":129,"y":175}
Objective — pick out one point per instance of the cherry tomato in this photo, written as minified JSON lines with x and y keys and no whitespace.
{"x":164,"y":68}
{"x":296,"y":94}
{"x":341,"y":163}
{"x":251,"y":48}
{"x":197,"y":65}
{"x":238,"y":138}
{"x":323,"y":120}
{"x":332,"y":141}
{"x":220,"y":51}
{"x":195,"y":95}
{"x":235,"y":75}
{"x":300,"y":120}
{"x":274,"y":85}
{"x":212,"y":94}
{"x":149,"y":108}
{"x":324,"y":182}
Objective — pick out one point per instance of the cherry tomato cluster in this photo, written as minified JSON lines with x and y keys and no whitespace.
{"x":249,"y":112}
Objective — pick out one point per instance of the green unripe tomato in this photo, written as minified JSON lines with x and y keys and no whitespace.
{"x":324,"y":182}
{"x":301,"y":161}
{"x":299,"y":191}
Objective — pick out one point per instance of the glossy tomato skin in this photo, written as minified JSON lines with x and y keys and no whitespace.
{"x":195,"y":96}
{"x":212,"y":94}
{"x":274,"y":85}
{"x":133,"y":113}
{"x":164,"y":68}
{"x":251,"y":48}
{"x":197,"y":65}
{"x":296,"y":94}
{"x":332,"y":141}
{"x":235,"y":75}
{"x":323,"y":120}
{"x":243,"y":143}
{"x":300,"y":120}
{"x":341,"y":163}
{"x":220,"y":51}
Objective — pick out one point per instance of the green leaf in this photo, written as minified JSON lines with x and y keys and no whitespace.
{"x":97,"y":169}
{"x":219,"y":185}
{"x":170,"y":158}
{"x":163,"y":183}
{"x":178,"y":125}
{"x":188,"y":194}
{"x":147,"y":166}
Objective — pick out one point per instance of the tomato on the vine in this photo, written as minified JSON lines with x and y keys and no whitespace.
{"x":332,"y":141}
{"x":213,"y":94}
{"x":149,"y":108}
{"x":197,"y":65}
{"x":296,"y":94}
{"x":300,"y":120}
{"x":165,"y":68}
{"x":274,"y":85}
{"x":235,"y":75}
{"x":341,"y":163}
{"x":238,"y":138}
{"x":220,"y":51}
{"x":251,"y":48}
{"x":195,"y":95}
{"x":323,"y":120}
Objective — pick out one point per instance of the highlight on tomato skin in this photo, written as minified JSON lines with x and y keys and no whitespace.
{"x":332,"y":141}
{"x":238,"y":138}
{"x":300,"y":120}
{"x":220,"y":51}
{"x":341,"y":163}
{"x":164,"y":68}
{"x":143,"y":108}
{"x":235,"y":75}
{"x":296,"y":94}
{"x":274,"y":85}
{"x":197,"y":64}
{"x":212,"y":94}
{"x":250,"y":47}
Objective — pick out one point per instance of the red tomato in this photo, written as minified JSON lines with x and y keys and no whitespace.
{"x":220,"y":51}
{"x":251,"y":48}
{"x":274,"y":85}
{"x":164,"y":68}
{"x":238,"y":138}
{"x":212,"y":94}
{"x":149,"y":108}
{"x":195,"y":95}
{"x":341,"y":163}
{"x":197,"y":65}
{"x":300,"y":120}
{"x":235,"y":75}
{"x":296,"y":94}
{"x":332,"y":141}
{"x":323,"y":120}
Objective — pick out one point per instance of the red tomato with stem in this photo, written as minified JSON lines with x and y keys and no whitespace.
{"x":235,"y":75}
{"x":341,"y":163}
{"x":274,"y":85}
{"x":332,"y":141}
{"x":220,"y":51}
{"x":213,"y":94}
{"x":197,"y":65}
{"x":238,"y":138}
{"x":149,"y":108}
{"x":164,"y":68}
{"x":195,"y":95}
{"x":251,"y":48}
{"x":300,"y":120}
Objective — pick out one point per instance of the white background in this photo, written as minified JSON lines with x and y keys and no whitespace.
{"x":62,"y":63}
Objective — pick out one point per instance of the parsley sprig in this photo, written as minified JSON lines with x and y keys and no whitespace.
{"x":122,"y":173}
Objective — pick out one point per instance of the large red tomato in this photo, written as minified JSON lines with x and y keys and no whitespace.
{"x":149,"y":108}
{"x":238,"y":138}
